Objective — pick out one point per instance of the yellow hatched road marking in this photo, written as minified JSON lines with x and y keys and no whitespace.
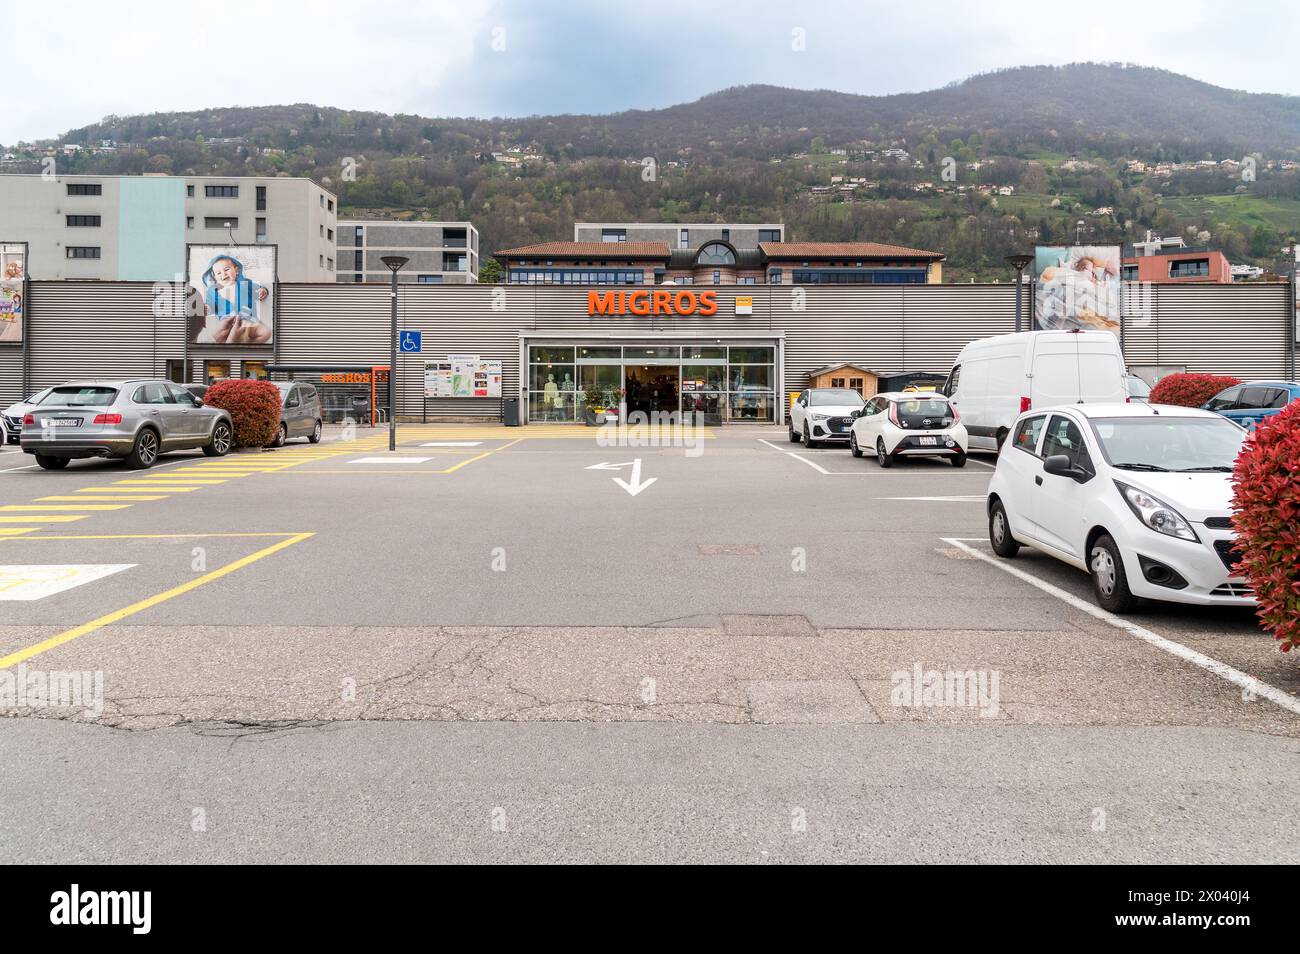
{"x":15,"y":531}
{"x":173,"y":480}
{"x":31,"y":507}
{"x":132,"y":490}
{"x":43,"y":518}
{"x":108,"y":619}
{"x":107,"y":497}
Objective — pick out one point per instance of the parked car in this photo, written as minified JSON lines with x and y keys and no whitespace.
{"x":1137,"y":389}
{"x":995,"y":379}
{"x":823,"y":414}
{"x":909,"y":424}
{"x":1137,"y":495}
{"x":135,"y":420}
{"x":1249,"y":403}
{"x":300,"y":413}
{"x":11,"y":419}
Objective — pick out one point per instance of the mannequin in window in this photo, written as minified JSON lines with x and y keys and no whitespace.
{"x":551,"y":396}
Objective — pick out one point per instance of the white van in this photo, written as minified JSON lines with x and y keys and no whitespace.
{"x":997,"y":379}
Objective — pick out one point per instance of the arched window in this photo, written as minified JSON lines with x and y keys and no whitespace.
{"x":715,"y":253}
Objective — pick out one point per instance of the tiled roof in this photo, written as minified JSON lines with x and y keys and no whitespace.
{"x":854,"y":250}
{"x":589,"y":250}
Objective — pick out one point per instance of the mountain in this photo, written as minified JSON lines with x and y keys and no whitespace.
{"x":761,"y":151}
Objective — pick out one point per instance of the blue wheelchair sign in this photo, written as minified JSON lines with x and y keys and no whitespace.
{"x":409,"y":341}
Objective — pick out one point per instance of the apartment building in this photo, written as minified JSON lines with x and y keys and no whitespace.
{"x":135,"y":228}
{"x":439,"y":253}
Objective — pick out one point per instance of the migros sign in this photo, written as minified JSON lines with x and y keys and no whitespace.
{"x":660,"y":301}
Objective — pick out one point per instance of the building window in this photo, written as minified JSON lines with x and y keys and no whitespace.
{"x":613,"y":235}
{"x":428,"y":279}
{"x":717,"y":277}
{"x":321,"y":229}
{"x":774,"y":276}
{"x":329,"y":205}
{"x":329,"y":235}
{"x":1190,"y":268}
{"x":220,"y":222}
{"x":454,"y":238}
{"x":83,"y":251}
{"x":747,"y":280}
{"x":684,"y":240}
{"x":85,"y":188}
{"x":261,"y":198}
{"x":189,"y":192}
{"x":360,"y":235}
{"x":576,"y":276}
{"x":261,"y":230}
{"x":82,"y":221}
{"x":726,"y":235}
{"x":221,"y":192}
{"x":863,"y":276}
{"x":322,"y":261}
{"x":1128,"y":273}
{"x":360,"y":261}
{"x":356,"y":278}
{"x":769,"y":235}
{"x":189,"y":221}
{"x":329,"y":263}
{"x":715,"y":253}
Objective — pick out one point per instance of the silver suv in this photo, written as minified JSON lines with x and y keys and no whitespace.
{"x":135,"y":420}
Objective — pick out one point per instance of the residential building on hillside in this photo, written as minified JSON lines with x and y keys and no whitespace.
{"x":439,"y":253}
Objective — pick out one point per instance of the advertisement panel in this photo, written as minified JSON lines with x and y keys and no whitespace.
{"x":462,"y":376}
{"x":13,"y":275}
{"x":234,"y":289}
{"x":1078,"y":287}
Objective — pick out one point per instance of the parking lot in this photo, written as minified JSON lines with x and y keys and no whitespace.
{"x":409,"y":643}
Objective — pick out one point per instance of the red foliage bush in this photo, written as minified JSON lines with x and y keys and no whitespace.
{"x":254,"y":408}
{"x":1266,"y":505}
{"x":1189,"y":390}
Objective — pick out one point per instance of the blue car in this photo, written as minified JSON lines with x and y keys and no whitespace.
{"x":1250,"y":402}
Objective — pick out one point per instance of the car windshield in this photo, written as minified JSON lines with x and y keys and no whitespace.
{"x":1185,"y":444}
{"x":834,"y":397}
{"x":924,"y":411}
{"x":1137,"y":387}
{"x":89,"y":396}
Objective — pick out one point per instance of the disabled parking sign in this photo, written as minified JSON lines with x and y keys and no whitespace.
{"x":409,"y":342}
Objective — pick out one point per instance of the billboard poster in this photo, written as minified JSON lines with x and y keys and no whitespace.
{"x":462,"y":376}
{"x":13,"y":289}
{"x":1078,"y":287}
{"x":234,"y":288}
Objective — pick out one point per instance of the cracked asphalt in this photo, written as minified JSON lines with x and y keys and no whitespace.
{"x":449,"y":666}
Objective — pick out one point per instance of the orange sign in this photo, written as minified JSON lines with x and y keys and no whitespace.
{"x":345,"y":377}
{"x":660,"y":301}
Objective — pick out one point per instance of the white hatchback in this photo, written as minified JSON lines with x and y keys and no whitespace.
{"x":909,"y":424}
{"x":1138,"y":495}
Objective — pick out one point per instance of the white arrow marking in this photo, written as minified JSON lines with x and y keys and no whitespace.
{"x":635,"y":485}
{"x":605,"y":465}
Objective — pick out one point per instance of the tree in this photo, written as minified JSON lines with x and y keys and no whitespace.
{"x":490,"y":272}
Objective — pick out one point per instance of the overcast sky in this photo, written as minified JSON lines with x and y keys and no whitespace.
{"x":513,"y":57}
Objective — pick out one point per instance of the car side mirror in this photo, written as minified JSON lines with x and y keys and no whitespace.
{"x":198,"y":401}
{"x":1059,"y":465}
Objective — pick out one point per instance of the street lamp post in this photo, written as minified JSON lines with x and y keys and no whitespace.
{"x":394,"y":263}
{"x":1019,"y":263}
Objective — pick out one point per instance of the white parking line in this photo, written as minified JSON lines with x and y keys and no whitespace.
{"x":970,"y":498}
{"x":452,"y":444}
{"x":1238,"y":678}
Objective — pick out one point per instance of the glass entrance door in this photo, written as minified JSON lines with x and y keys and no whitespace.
{"x":653,"y":388}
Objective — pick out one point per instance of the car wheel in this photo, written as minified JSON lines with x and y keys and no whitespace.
{"x":807,"y":435}
{"x":281,"y":435}
{"x":1004,"y":544}
{"x":315,"y":434}
{"x":883,"y":458}
{"x":853,"y":444}
{"x":958,"y":460}
{"x":145,"y":450}
{"x":219,"y":446}
{"x":1109,"y":581}
{"x":51,"y":463}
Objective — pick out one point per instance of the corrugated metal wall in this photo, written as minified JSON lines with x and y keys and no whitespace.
{"x":109,"y":329}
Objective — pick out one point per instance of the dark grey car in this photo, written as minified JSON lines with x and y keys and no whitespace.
{"x":300,"y":413}
{"x":135,"y":420}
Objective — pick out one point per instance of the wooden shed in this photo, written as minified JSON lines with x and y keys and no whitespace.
{"x":844,"y":376}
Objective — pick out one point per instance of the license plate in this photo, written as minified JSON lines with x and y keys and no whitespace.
{"x":60,"y":422}
{"x":928,"y":441}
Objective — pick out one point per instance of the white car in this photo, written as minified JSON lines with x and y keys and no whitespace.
{"x":11,"y":418}
{"x":1138,"y":495}
{"x":823,"y":414}
{"x":909,"y":424}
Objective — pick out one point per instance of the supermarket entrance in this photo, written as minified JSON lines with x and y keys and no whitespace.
{"x":653,"y":388}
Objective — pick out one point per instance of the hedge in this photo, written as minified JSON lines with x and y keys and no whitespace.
{"x":1189,"y":390}
{"x":254,"y":408}
{"x":1266,"y":516}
